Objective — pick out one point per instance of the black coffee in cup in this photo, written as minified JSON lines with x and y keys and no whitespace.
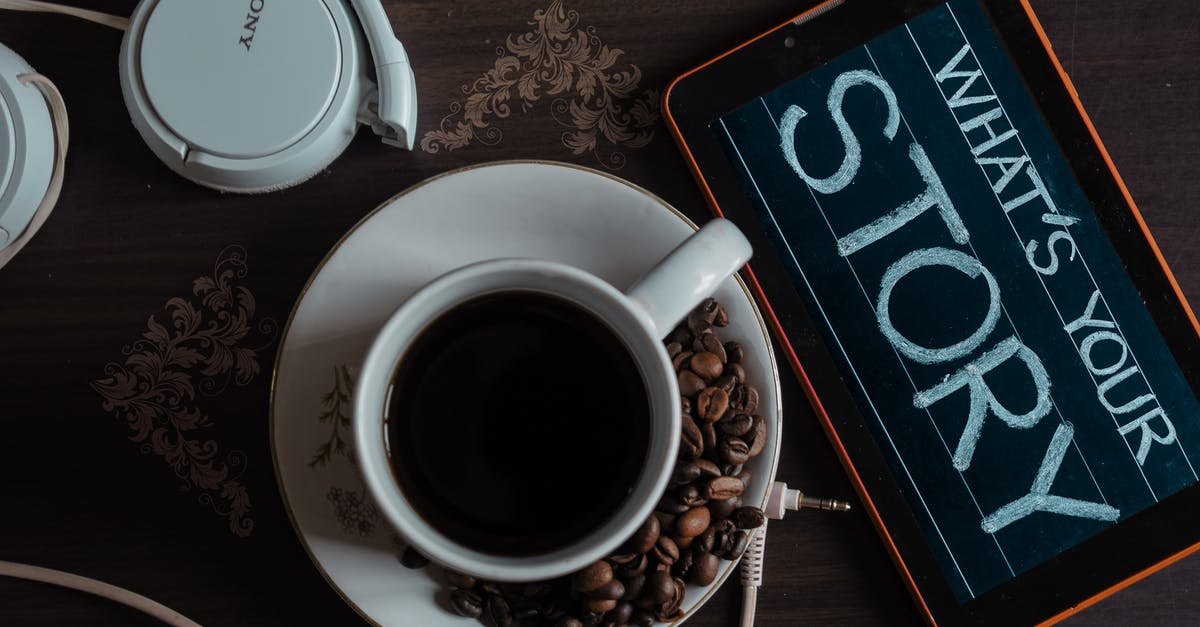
{"x":517,"y":423}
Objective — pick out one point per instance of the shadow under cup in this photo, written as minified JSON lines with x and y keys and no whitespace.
{"x":526,"y":431}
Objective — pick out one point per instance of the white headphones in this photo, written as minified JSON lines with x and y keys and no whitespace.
{"x":33,"y":149}
{"x":258,"y":95}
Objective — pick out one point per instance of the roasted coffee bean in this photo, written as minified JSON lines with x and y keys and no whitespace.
{"x":644,"y":538}
{"x":704,"y":568}
{"x":666,"y":551}
{"x":685,"y":406}
{"x":593,"y":576}
{"x":732,"y":450}
{"x":496,"y":609}
{"x":734,"y":352}
{"x":758,"y":436}
{"x":723,"y":508}
{"x":466,"y":603}
{"x":691,"y":441}
{"x":691,"y":495}
{"x":682,"y":335}
{"x":642,"y":618}
{"x":700,"y":320}
{"x":706,"y":364}
{"x":683,"y":565}
{"x":665,"y":520}
{"x":683,"y":542}
{"x":731,"y":470}
{"x":599,"y":605}
{"x":670,"y":504}
{"x":704,"y":542}
{"x":459,"y":580}
{"x":611,"y":590}
{"x":698,"y":343}
{"x":722,"y":488}
{"x":694,"y":522}
{"x":748,"y":518}
{"x":736,"y":371}
{"x":489,"y":587}
{"x":670,"y":609}
{"x":722,"y":317}
{"x":714,"y":346}
{"x":681,"y":360}
{"x":568,"y":621}
{"x":413,"y":559}
{"x":738,"y":545}
{"x":633,"y":568}
{"x":674,"y":348}
{"x":708,"y":434}
{"x":590,"y":617}
{"x":707,"y":468}
{"x":712,"y":404}
{"x":726,"y":382}
{"x":735,"y":424}
{"x":633,"y":586}
{"x":621,"y":614}
{"x":685,"y":472}
{"x":690,"y":383}
{"x":659,"y":588}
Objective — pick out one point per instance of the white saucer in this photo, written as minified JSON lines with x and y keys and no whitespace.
{"x":510,"y":209}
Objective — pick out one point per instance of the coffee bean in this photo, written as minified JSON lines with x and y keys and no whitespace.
{"x":723,"y":488}
{"x":685,"y":406}
{"x":670,"y":504}
{"x":685,"y":472}
{"x":735,"y":352}
{"x":704,"y":568}
{"x":611,"y":590}
{"x":600,"y":604}
{"x":489,"y":587}
{"x":707,"y":365}
{"x":712,"y":404}
{"x":704,"y":542}
{"x":683,"y":542}
{"x":722,"y":317}
{"x":665,"y":520}
{"x":731,"y":470}
{"x":724,"y":508}
{"x":681,"y":335}
{"x":670,"y":609}
{"x":733,"y":451}
{"x":748,"y":518}
{"x":736,"y":371}
{"x":590,"y":617}
{"x":459,"y":580}
{"x":633,"y":568}
{"x":726,"y":382}
{"x":621,"y":614}
{"x":698,"y":343}
{"x":413,"y":559}
{"x":593,"y":576}
{"x":735,"y":424}
{"x":644,"y":538}
{"x":496,"y":609}
{"x":714,"y":346}
{"x":707,"y":468}
{"x":738,"y":546}
{"x":689,"y":383}
{"x":642,"y":618}
{"x":466,"y":603}
{"x":757,"y":437}
{"x":659,"y":588}
{"x":694,"y":522}
{"x":683,"y":564}
{"x":700,"y":320}
{"x":681,"y":360}
{"x":691,"y":495}
{"x":708,"y":434}
{"x":691,"y":441}
{"x":666,"y":551}
{"x":674,"y":348}
{"x":568,"y":621}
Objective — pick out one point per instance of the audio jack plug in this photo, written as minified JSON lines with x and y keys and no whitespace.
{"x":780,"y":500}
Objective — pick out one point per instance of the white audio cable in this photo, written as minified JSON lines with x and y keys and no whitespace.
{"x":34,"y":6}
{"x":98,"y":588}
{"x":779,"y":501}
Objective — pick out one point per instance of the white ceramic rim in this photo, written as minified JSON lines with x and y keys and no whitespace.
{"x":607,"y":304}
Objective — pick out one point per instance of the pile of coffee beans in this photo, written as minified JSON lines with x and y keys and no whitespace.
{"x":699,"y":521}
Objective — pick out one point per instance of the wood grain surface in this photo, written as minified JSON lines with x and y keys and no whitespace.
{"x":84,"y":491}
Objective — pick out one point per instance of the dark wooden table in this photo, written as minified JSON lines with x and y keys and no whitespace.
{"x":202,"y":528}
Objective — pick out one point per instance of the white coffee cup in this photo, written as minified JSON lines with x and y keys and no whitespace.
{"x":640,"y":318}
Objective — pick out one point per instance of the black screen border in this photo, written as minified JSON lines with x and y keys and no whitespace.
{"x":1079,"y":576}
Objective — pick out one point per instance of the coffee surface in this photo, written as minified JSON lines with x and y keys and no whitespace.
{"x":517,"y":423}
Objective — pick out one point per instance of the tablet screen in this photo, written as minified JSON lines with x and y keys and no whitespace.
{"x":1002,"y":357}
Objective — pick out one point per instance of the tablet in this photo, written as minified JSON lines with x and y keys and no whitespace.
{"x":962,"y":283}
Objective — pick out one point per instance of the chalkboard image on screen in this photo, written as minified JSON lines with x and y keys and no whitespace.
{"x":1004,"y":361}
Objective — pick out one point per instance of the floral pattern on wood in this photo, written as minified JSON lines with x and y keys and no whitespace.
{"x":202,"y":344}
{"x":596,"y":101}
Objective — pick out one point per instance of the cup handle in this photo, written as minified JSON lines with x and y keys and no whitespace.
{"x":689,"y":274}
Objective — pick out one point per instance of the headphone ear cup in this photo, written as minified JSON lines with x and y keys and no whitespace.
{"x":245,"y":96}
{"x":32,"y":147}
